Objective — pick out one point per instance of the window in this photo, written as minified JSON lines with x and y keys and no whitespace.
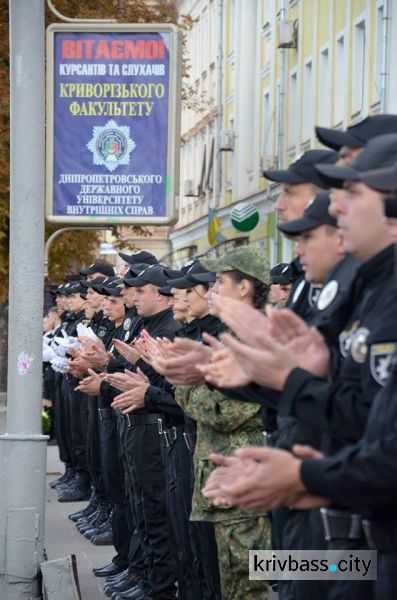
{"x":266,"y":46}
{"x":359,"y":49}
{"x":209,"y":181}
{"x":307,"y":108}
{"x":339,"y":79}
{"x":324,"y":92}
{"x":201,"y":186}
{"x":267,"y":128}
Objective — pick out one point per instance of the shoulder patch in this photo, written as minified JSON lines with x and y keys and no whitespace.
{"x":313,"y":295}
{"x":381,"y":361}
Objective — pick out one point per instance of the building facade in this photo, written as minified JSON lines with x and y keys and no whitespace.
{"x":269,"y":71}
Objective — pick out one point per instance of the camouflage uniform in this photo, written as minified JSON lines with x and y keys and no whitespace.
{"x":222,"y":426}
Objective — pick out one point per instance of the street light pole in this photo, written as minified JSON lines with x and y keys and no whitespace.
{"x":23,"y":448}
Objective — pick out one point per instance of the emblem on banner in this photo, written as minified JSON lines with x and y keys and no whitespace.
{"x":111,"y":145}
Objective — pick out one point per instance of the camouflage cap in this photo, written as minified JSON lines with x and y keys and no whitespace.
{"x":244,"y":259}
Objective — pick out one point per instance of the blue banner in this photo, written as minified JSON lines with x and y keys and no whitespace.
{"x":111,"y":104}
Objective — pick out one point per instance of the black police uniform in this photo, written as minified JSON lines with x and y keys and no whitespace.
{"x":363,"y":478}
{"x":76,"y":431}
{"x":61,"y":411}
{"x":340,"y":409}
{"x":103,"y":328}
{"x":114,"y":465}
{"x":146,"y":468}
{"x":194,"y":545}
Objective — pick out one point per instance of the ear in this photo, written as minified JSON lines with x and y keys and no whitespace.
{"x":245,"y":288}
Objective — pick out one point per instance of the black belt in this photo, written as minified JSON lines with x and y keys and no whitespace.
{"x":341,"y":525}
{"x":105,"y":413}
{"x":142,"y":419}
{"x":381,"y":535}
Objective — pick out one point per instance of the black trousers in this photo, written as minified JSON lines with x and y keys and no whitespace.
{"x":303,"y":530}
{"x":206,"y":554}
{"x":386,"y":584}
{"x":136,"y":555}
{"x":113,"y":479}
{"x":202,"y":534}
{"x":147,"y":473}
{"x":179,"y":485}
{"x":61,"y":420}
{"x":353,"y":590}
{"x":93,"y":446}
{"x":77,"y":423}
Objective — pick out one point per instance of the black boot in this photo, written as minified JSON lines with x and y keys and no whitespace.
{"x":68,"y":484}
{"x":88,"y":510}
{"x":64,"y":479}
{"x":103,"y":539}
{"x":125,"y":584}
{"x":113,"y":568}
{"x":79,"y":491}
{"x":98,"y":518}
{"x":99,"y":529}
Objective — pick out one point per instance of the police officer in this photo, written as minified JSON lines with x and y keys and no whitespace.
{"x":340,"y":409}
{"x":142,"y":448}
{"x":301,"y":182}
{"x":76,"y":423}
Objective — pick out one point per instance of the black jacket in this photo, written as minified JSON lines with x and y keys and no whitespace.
{"x":341,"y":408}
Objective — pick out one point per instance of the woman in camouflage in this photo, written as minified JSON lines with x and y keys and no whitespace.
{"x":224,"y":425}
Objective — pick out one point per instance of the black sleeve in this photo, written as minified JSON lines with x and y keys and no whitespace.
{"x":254,"y":393}
{"x":161,"y":400}
{"x":108,"y":392}
{"x":339,"y":408}
{"x":361,"y":477}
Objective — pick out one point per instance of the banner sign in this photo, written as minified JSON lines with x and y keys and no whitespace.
{"x":113,"y":124}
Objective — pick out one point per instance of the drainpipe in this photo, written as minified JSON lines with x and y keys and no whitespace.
{"x":219,"y":107}
{"x":281,"y":114}
{"x":384,"y":74}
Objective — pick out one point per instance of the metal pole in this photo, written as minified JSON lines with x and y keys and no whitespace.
{"x":23,"y":448}
{"x":62,"y":17}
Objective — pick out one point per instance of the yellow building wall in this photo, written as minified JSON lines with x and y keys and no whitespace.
{"x":319,"y":22}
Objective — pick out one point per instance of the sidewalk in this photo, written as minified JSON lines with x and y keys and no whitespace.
{"x":62,"y":538}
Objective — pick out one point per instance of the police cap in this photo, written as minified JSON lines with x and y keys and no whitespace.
{"x":380,"y":152}
{"x":356,"y":136}
{"x":243,"y":259}
{"x":303,"y":170}
{"x":315,"y":214}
